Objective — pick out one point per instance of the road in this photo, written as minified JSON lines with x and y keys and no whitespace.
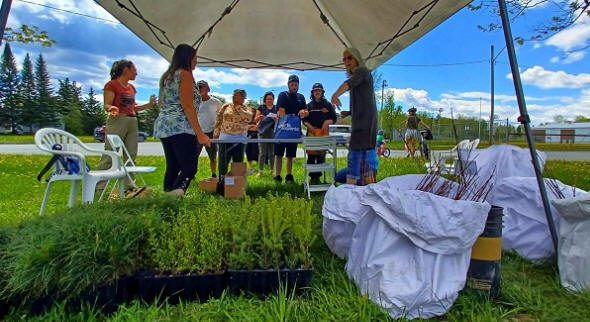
{"x":155,"y":149}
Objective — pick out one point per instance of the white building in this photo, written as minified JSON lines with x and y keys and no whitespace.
{"x":562,"y":133}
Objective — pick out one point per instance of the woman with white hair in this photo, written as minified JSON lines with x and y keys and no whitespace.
{"x":362,"y":155}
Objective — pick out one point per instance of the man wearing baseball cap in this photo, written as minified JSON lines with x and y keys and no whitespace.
{"x":289,"y":102}
{"x":208,"y":109}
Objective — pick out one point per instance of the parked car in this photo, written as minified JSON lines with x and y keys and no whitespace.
{"x":99,"y":134}
{"x":341,"y":132}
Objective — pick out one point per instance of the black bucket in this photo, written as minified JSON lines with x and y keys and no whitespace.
{"x":486,"y":255}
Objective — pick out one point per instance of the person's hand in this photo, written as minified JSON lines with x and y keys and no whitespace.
{"x":258,"y":118}
{"x":303,"y":113}
{"x":152,"y":100}
{"x":336,"y":101}
{"x":344,"y":114}
{"x":204,"y":140}
{"x":326,"y":128}
{"x":113,"y":111}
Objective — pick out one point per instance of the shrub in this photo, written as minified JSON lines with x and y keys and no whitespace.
{"x":79,"y":248}
{"x":193,"y":241}
{"x":273,"y":232}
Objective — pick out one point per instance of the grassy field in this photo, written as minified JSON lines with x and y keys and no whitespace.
{"x":394,"y":145}
{"x":529,"y":292}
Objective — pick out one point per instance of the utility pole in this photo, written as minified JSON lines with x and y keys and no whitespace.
{"x":383,"y":84}
{"x":507,"y":131}
{"x":479,"y":121}
{"x":492,"y":63}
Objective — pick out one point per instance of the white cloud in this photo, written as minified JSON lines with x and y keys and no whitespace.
{"x":259,"y":77}
{"x":86,"y":7}
{"x":149,"y":69}
{"x":547,"y":79}
{"x":554,"y":59}
{"x":467,"y":104}
{"x":573,"y":37}
{"x":574,"y":57}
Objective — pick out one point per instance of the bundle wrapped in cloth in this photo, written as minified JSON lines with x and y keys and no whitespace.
{"x":526,"y":230}
{"x":409,"y":250}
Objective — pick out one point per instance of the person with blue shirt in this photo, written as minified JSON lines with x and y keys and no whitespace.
{"x":289,"y":102}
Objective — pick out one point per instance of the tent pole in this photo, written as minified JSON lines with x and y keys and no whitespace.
{"x":4,"y":10}
{"x":525,"y":119}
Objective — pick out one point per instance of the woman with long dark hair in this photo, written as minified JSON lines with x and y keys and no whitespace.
{"x":119,"y":103}
{"x":177,"y":125}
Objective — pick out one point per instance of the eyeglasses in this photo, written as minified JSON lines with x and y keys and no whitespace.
{"x":345,"y":58}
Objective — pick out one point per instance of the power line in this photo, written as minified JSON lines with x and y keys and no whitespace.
{"x":440,"y":64}
{"x":68,"y":11}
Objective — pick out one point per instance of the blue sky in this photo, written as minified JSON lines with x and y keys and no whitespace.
{"x":556,"y":80}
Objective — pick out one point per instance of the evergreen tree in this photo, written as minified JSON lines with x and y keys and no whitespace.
{"x":27,"y":92}
{"x":93,"y":113}
{"x":70,"y":106}
{"x":48,"y":115}
{"x":147,"y":118}
{"x":10,"y":106}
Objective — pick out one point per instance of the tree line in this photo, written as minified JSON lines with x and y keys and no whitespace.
{"x":28,"y":100}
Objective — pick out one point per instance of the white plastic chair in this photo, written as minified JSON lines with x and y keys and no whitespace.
{"x":438,"y":160}
{"x":129,"y":166}
{"x":465,"y":159}
{"x":47,"y":138}
{"x":319,"y":143}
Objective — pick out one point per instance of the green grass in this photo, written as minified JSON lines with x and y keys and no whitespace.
{"x":529,"y":292}
{"x":394,"y":145}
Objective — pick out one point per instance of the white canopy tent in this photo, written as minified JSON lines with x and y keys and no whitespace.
{"x":296,"y":34}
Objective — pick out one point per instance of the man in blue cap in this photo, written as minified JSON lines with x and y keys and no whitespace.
{"x":289,"y":102}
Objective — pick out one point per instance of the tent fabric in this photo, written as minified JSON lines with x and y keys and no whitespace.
{"x":304,"y":35}
{"x":410,"y":250}
{"x":525,"y":226}
{"x":573,"y":253}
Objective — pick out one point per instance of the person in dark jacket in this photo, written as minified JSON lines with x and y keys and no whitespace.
{"x":362,"y":155}
{"x":320,"y":115}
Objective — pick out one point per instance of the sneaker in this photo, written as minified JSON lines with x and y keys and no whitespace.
{"x":179,"y":193}
{"x":278,"y":179}
{"x":289,"y":179}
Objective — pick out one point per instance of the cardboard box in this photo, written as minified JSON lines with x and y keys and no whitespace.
{"x":238,"y":169}
{"x":234,"y":187}
{"x":209,"y":185}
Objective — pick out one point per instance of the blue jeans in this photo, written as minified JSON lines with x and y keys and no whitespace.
{"x":362,"y":167}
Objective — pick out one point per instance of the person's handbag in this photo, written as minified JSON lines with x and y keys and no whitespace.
{"x":288,"y":127}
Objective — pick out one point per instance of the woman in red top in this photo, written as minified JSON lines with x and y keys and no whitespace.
{"x":119,"y":103}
